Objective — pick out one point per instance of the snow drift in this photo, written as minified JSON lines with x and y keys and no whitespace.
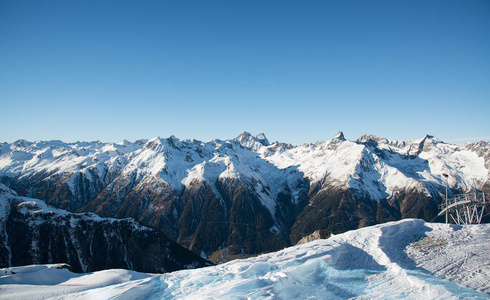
{"x":408,"y":259}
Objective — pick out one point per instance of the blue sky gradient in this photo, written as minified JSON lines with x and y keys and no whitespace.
{"x":299,"y":71}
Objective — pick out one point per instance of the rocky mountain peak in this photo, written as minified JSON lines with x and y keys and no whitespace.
{"x":339,"y":136}
{"x":262,"y":139}
{"x":244,"y":134}
{"x":426,"y":143}
{"x":156,"y":144}
{"x":141,"y":141}
{"x":371,"y":140}
{"x":250,"y":141}
{"x":22,"y":143}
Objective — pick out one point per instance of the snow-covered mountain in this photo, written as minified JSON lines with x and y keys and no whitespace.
{"x":246,"y":195}
{"x":408,"y":259}
{"x":32,"y":232}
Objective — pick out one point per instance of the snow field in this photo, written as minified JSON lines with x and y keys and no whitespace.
{"x":408,"y":259}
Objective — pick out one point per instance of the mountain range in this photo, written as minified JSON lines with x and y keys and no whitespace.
{"x":243,"y":196}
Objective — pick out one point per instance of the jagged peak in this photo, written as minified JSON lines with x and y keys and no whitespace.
{"x":246,"y":138}
{"x":174,"y":142}
{"x":22,"y":143}
{"x":141,"y":141}
{"x":244,"y":134}
{"x":371,"y":140}
{"x":158,"y":144}
{"x":482,"y":144}
{"x":156,"y":139}
{"x":339,"y":136}
{"x":261,"y":136}
{"x":430,"y":138}
{"x":262,"y":139}
{"x":155,"y":144}
{"x":367,"y":137}
{"x":425,"y":138}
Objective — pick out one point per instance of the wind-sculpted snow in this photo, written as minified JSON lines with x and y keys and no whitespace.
{"x":388,"y":261}
{"x":246,"y":191}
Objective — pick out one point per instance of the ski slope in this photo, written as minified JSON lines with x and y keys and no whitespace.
{"x":408,"y":259}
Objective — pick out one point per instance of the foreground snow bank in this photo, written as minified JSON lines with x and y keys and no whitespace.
{"x":404,"y":259}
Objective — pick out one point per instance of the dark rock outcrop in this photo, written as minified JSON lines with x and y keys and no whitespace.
{"x":32,"y":232}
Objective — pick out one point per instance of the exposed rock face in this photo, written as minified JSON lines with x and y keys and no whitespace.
{"x":33,"y":233}
{"x":319,"y":234}
{"x":246,"y":195}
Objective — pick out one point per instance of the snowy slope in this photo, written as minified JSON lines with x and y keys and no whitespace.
{"x":380,"y":167}
{"x":178,"y":163}
{"x":407,"y":259}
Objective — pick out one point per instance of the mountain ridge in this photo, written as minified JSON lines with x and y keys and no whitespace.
{"x":246,"y":194}
{"x":33,"y":232}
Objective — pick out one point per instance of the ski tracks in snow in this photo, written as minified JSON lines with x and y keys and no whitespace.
{"x":458,"y":253}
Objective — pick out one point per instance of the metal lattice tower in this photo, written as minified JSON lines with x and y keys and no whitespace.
{"x":465,"y":208}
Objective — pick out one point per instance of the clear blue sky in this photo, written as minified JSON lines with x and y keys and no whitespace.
{"x":299,"y":71}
